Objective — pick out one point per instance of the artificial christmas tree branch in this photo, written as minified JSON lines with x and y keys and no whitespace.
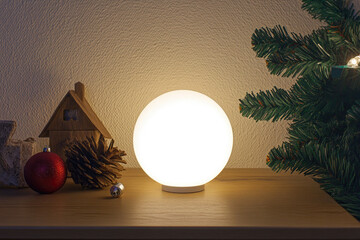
{"x":269,"y":105}
{"x":293,"y":54}
{"x":329,"y":11}
{"x":324,"y":107}
{"x":328,"y":167}
{"x":342,"y":20}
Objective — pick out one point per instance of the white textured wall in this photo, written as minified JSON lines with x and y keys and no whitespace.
{"x":129,"y":52}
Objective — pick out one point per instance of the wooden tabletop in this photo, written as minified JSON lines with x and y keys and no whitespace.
{"x":238,"y":204}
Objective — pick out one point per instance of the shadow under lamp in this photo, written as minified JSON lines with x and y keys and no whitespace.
{"x":182,"y":140}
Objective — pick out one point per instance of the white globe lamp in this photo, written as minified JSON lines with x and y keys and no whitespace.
{"x":182,"y":140}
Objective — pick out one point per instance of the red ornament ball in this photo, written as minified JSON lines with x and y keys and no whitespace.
{"x":45,"y":172}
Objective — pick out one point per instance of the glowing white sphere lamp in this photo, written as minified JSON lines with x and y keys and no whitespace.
{"x":183,"y":139}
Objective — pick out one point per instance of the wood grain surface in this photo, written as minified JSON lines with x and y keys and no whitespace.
{"x":238,"y":204}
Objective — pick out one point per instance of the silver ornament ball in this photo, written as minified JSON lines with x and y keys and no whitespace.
{"x":117,"y":190}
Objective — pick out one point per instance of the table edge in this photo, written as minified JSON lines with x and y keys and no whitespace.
{"x":158,"y":232}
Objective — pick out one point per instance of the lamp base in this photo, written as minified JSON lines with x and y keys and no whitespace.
{"x":183,"y":189}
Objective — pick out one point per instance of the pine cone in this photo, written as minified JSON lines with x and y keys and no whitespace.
{"x":94,"y":165}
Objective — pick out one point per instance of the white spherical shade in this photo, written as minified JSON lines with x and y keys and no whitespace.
{"x":183,"y":139}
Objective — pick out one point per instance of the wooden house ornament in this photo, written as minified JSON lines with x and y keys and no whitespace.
{"x":73,"y":119}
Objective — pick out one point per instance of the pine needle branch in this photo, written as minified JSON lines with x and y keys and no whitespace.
{"x":351,"y":136}
{"x":343,"y":23}
{"x":318,"y":98}
{"x":329,"y":11}
{"x":274,"y":105}
{"x":324,"y":135}
{"x":328,"y":166}
{"x":302,"y":132}
{"x":290,"y":55}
